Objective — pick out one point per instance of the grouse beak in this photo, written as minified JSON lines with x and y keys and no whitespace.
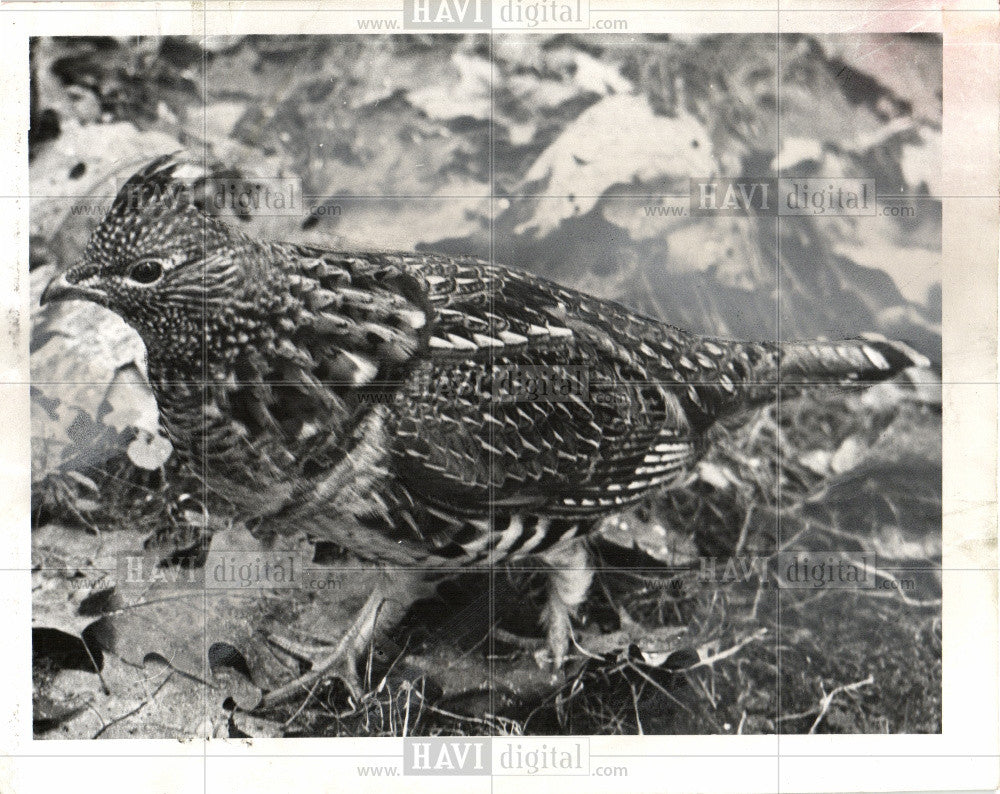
{"x":72,"y":285}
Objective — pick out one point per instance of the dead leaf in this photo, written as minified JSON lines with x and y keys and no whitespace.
{"x":817,"y":461}
{"x":907,"y":65}
{"x":149,"y":451}
{"x":469,"y":96}
{"x":848,"y":455}
{"x":617,"y":141}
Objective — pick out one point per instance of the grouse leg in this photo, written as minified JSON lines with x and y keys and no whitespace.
{"x":384,"y":608}
{"x":569,"y":581}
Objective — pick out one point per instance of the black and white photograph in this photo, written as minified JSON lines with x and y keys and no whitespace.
{"x":483,"y":389}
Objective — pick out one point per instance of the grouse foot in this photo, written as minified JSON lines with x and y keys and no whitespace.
{"x":383,"y":609}
{"x":568,"y":583}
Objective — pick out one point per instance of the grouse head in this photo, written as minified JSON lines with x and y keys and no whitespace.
{"x":180,"y":277}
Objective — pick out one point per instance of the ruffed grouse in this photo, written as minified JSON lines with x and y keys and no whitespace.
{"x":371,"y":399}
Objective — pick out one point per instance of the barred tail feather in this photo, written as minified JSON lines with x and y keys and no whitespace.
{"x":869,"y":359}
{"x":736,"y":376}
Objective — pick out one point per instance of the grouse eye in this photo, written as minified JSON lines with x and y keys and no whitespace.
{"x":146,"y":271}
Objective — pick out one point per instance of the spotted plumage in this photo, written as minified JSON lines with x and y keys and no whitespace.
{"x":380,"y":400}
